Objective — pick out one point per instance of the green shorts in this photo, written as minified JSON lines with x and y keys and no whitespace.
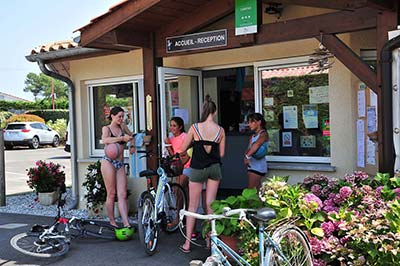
{"x":201,"y":175}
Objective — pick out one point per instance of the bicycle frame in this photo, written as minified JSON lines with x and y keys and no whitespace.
{"x":218,"y":247}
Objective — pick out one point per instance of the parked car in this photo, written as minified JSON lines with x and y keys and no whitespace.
{"x":30,"y":134}
{"x":67,"y":147}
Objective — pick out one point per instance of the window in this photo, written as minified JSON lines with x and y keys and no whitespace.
{"x":295,"y":104}
{"x":105,"y":96}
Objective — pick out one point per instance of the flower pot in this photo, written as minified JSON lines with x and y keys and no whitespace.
{"x":232,"y":242}
{"x":47,"y":198}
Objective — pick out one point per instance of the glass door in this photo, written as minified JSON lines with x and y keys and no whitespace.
{"x":180,"y":95}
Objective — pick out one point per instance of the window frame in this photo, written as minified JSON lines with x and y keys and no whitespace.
{"x":273,"y":64}
{"x":137,"y":104}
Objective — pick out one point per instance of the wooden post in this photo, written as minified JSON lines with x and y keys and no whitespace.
{"x":2,"y":172}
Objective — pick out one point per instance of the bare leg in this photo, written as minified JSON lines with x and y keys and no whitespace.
{"x":254,"y":180}
{"x":121,"y":193}
{"x":108,"y":172}
{"x":194,"y":200}
{"x":211,"y":193}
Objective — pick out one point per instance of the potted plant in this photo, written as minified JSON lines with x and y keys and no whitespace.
{"x":96,"y":193}
{"x":45,"y":178}
{"x":229,"y":229}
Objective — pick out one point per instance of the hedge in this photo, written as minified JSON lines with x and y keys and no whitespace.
{"x":52,"y":115}
{"x":25,"y":118}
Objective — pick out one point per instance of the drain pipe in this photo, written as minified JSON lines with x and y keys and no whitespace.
{"x":387,"y":164}
{"x":72,"y":134}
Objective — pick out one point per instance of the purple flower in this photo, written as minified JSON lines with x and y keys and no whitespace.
{"x":312,"y":198}
{"x":328,"y":228}
{"x":345,"y":192}
{"x":397,"y":191}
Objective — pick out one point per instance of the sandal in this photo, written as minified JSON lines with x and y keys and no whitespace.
{"x":186,"y":251}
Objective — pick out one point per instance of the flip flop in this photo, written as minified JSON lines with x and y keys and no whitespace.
{"x":186,"y":251}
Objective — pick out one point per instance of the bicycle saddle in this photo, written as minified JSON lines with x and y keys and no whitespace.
{"x":147,"y":173}
{"x":264,"y":214}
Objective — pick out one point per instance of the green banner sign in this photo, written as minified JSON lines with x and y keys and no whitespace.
{"x":245,"y":17}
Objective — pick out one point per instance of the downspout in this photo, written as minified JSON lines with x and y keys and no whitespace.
{"x":387,"y":166}
{"x":72,"y":134}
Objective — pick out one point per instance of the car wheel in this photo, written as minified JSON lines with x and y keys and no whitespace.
{"x":56,"y":141}
{"x":34,"y":143}
{"x":8,"y":146}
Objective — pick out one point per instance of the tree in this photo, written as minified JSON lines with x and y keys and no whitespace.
{"x":40,"y":85}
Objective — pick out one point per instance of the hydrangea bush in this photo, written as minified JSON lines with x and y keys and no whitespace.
{"x":349,"y":221}
{"x":96,"y":193}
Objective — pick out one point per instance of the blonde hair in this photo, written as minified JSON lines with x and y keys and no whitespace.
{"x":209,"y":107}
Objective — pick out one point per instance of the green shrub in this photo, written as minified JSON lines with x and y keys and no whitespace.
{"x":25,"y":118}
{"x":4,"y":115}
{"x":60,"y":125}
{"x":17,"y":105}
{"x":52,"y":115}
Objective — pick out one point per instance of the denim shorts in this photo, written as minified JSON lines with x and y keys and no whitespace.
{"x":201,"y":175}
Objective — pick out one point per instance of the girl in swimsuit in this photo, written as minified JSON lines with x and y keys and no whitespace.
{"x":113,"y":172}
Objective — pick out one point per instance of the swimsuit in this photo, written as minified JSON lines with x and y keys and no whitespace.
{"x":257,"y":166}
{"x":117,"y":164}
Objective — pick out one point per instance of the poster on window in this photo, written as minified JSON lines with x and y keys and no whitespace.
{"x":310,"y":115}
{"x":273,"y":144}
{"x":286,"y":139}
{"x":290,"y":117}
{"x":307,"y":142}
{"x":360,"y":143}
{"x":319,"y":94}
{"x":371,"y":119}
{"x":269,"y":115}
{"x":361,"y":103}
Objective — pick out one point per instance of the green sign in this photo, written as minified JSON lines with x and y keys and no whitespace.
{"x":245,"y":17}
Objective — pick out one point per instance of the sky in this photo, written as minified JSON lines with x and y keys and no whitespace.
{"x":25,"y":24}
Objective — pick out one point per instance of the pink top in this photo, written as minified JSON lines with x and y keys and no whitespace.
{"x":176,"y":143}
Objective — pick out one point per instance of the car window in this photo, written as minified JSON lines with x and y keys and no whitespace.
{"x":36,"y":126}
{"x":44,"y":126}
{"x":15,"y":126}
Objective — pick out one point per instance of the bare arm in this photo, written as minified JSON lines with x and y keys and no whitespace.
{"x":263,"y":138}
{"x":222,"y":144}
{"x":188,"y":140}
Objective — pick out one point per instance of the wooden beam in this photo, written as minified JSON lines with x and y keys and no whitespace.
{"x":132,"y":38}
{"x":338,"y":4}
{"x":295,"y":29}
{"x":386,"y":21}
{"x":309,"y":27}
{"x":352,"y":61}
{"x":115,"y":19}
{"x":149,"y":78}
{"x":198,"y":19}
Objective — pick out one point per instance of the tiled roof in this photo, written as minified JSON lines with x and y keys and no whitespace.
{"x":291,"y":71}
{"x":54,"y":46}
{"x":110,"y":10}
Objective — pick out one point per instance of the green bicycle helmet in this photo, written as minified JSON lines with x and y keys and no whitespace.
{"x":124,"y":233}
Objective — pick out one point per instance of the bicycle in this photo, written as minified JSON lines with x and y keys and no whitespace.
{"x":46,"y":241}
{"x":159,"y":208}
{"x":287,"y":245}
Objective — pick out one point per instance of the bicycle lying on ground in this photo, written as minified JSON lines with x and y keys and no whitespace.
{"x":287,"y":245}
{"x":159,"y":208}
{"x":45,"y":241}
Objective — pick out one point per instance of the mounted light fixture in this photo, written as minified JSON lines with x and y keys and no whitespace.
{"x":320,"y":57}
{"x":274,"y":9}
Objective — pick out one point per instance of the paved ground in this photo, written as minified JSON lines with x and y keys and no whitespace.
{"x":19,"y":159}
{"x":92,"y":252}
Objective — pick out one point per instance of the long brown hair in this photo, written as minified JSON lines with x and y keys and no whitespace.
{"x":209,"y":107}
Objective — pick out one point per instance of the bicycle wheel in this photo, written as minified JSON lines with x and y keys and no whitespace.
{"x":293,"y":245}
{"x":148,"y":230}
{"x":30,"y":244}
{"x":176,"y":201}
{"x":97,"y":229}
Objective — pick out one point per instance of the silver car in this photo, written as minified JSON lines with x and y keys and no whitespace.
{"x":30,"y":134}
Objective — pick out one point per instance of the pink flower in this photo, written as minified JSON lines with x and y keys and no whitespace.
{"x":312,"y":198}
{"x":328,"y":228}
{"x":345,"y":192}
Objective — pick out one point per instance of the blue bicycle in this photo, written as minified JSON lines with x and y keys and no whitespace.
{"x":287,"y":245}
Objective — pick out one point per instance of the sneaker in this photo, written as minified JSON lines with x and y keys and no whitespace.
{"x":195,"y":236}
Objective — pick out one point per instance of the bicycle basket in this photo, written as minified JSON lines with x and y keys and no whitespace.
{"x":172,"y":165}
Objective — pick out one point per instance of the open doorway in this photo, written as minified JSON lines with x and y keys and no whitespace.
{"x":233,"y":91}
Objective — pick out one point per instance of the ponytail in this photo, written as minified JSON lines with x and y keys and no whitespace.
{"x":209,"y":107}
